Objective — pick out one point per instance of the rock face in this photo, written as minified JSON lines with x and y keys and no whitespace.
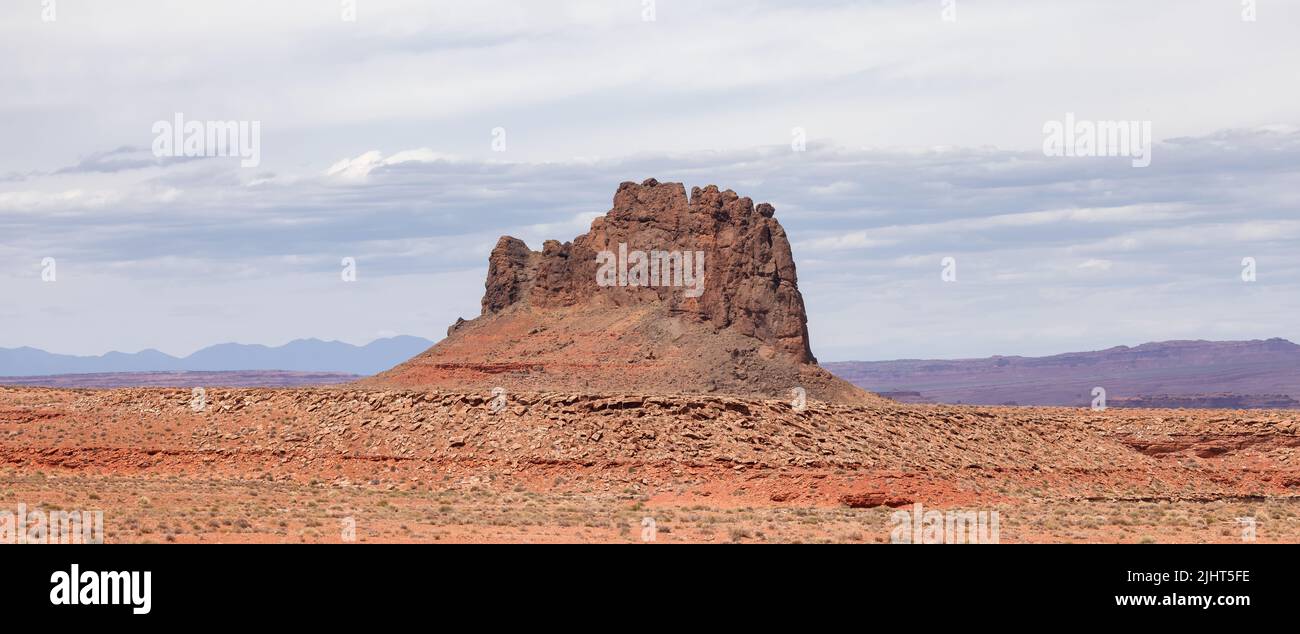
{"x":509,"y":274}
{"x":749,"y":283}
{"x":664,"y":295}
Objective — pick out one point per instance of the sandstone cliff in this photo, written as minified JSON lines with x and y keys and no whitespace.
{"x":664,"y":294}
{"x":749,"y":284}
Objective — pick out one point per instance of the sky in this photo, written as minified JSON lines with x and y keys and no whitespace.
{"x":413,"y":137}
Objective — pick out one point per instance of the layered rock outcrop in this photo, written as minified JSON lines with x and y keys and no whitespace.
{"x":749,"y":283}
{"x":664,"y":294}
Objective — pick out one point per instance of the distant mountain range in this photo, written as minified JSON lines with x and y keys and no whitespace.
{"x":236,"y":379}
{"x":1192,"y":374}
{"x":303,"y":355}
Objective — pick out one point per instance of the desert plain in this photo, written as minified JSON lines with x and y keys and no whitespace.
{"x":305,"y":465}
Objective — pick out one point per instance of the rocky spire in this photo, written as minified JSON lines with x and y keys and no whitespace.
{"x":749,"y":283}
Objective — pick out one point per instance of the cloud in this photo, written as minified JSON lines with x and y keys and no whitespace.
{"x":122,"y":159}
{"x":57,"y":201}
{"x":592,"y":78}
{"x":868,"y":248}
{"x":924,"y":143}
{"x":359,"y":168}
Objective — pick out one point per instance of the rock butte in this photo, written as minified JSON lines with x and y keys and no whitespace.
{"x":547,"y":325}
{"x":562,"y":462}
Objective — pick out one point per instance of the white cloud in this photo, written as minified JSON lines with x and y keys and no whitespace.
{"x":61,"y":201}
{"x":360,"y":167}
{"x":590,"y":78}
{"x":1054,"y":254}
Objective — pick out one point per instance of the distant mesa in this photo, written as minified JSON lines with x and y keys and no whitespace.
{"x":620,"y":308}
{"x":1259,"y":374}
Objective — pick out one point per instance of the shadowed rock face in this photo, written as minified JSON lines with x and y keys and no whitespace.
{"x":749,"y":282}
{"x":509,"y":274}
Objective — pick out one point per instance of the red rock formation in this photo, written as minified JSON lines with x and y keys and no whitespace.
{"x":621,"y":309}
{"x":750,"y":284}
{"x":509,"y":274}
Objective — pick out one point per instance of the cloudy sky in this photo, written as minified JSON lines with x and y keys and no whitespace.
{"x":924,"y":142}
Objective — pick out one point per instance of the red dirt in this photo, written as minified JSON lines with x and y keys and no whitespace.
{"x":733,"y":462}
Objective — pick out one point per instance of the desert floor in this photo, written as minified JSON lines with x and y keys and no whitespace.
{"x":343,"y":464}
